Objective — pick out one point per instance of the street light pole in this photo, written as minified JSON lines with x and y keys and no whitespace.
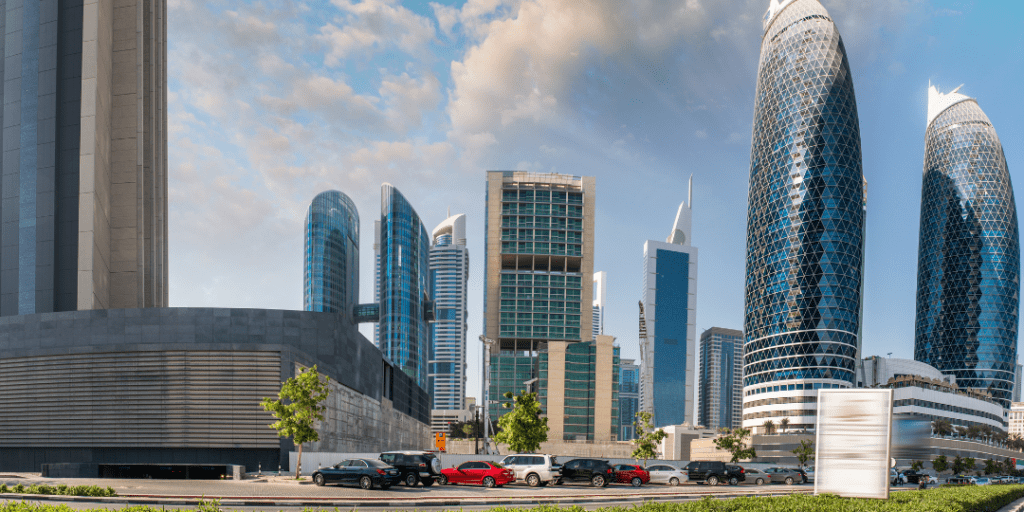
{"x":486,"y":392}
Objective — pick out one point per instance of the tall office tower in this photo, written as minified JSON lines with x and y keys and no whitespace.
{"x":721,"y":377}
{"x":805,"y":220}
{"x":539,"y":245}
{"x":404,"y":286}
{"x":629,"y":398}
{"x":669,"y":354}
{"x":600,"y":298}
{"x":84,"y":156}
{"x":449,"y":271}
{"x":968,"y":268}
{"x":331,"y":271}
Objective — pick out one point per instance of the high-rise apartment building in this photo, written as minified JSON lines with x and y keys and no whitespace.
{"x":669,"y":353}
{"x":538,"y":285}
{"x":84,"y":156}
{"x":600,"y":299}
{"x":968,"y":270}
{"x":805,"y":220}
{"x":449,"y":273}
{"x":331,"y":269}
{"x":629,"y":398}
{"x":404,"y":286}
{"x":721,"y":377}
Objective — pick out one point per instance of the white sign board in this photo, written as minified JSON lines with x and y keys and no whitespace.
{"x":854,"y":435}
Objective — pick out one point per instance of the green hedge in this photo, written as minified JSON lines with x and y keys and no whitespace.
{"x":60,"y":490}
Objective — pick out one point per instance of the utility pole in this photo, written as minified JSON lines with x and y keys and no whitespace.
{"x":488,"y":342}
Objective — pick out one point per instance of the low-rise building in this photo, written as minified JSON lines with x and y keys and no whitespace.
{"x":677,"y":444}
{"x":1016,"y":420}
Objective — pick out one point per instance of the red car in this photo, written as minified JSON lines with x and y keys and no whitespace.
{"x":631,"y":474}
{"x":478,"y":472}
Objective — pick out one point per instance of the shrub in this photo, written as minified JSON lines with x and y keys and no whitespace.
{"x":61,"y":490}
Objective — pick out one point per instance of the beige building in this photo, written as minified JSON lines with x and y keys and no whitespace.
{"x":84,"y":157}
{"x":1016,"y":419}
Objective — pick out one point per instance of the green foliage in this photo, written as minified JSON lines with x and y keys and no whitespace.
{"x":523,"y":430}
{"x":991,"y":467}
{"x":647,"y":438}
{"x":969,"y":463}
{"x":60,"y":490}
{"x":733,"y":441}
{"x":917,"y":465}
{"x":769,"y":427}
{"x":804,"y":452}
{"x":958,"y":465}
{"x":304,"y":394}
{"x":940,"y":464}
{"x":1009,"y":466}
{"x":784,"y":424}
{"x":211,"y":505}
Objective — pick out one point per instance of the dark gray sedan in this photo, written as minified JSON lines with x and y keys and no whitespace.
{"x":787,"y":476}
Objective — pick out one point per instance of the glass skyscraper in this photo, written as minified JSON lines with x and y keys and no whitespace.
{"x":968,"y":270}
{"x":721,"y":378}
{"x":629,"y":398}
{"x":668,"y":356}
{"x":449,"y":273}
{"x":404,"y":285}
{"x":805,"y":220}
{"x":331,"y":283}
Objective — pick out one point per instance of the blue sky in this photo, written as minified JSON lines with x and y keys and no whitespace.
{"x":272,"y":102}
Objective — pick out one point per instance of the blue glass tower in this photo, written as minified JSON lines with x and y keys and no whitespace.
{"x":331,"y":283}
{"x":629,"y":398}
{"x":721,"y":378}
{"x":805,"y":220}
{"x":968,"y":270}
{"x":404,"y":285}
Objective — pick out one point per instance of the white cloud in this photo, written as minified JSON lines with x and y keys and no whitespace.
{"x":377,"y":25}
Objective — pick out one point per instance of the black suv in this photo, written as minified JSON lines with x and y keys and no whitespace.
{"x":714,"y":472}
{"x":423,"y":467}
{"x":598,"y":472}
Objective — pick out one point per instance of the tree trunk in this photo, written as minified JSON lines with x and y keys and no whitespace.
{"x":298,"y":465}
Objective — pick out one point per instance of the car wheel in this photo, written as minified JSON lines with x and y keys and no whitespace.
{"x":636,"y":481}
{"x":410,"y":479}
{"x":789,"y":480}
{"x":488,"y":482}
{"x":318,"y":479}
{"x":759,"y":481}
{"x":673,"y":481}
{"x":366,"y":483}
{"x":598,"y":481}
{"x":427,"y":482}
{"x":532,"y":480}
{"x":734,"y":481}
{"x":712,"y":480}
{"x":442,"y":480}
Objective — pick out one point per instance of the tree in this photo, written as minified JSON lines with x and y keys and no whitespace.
{"x":647,"y":438}
{"x":940,"y":464}
{"x":467,"y":429}
{"x":784,"y":424}
{"x":942,"y":428}
{"x":969,"y":463}
{"x":991,"y":466}
{"x":1009,"y":466}
{"x":804,"y":452}
{"x":732,"y":441}
{"x":523,"y":430}
{"x":769,"y":427}
{"x":304,"y":394}
{"x":958,"y":465}
{"x":917,"y":465}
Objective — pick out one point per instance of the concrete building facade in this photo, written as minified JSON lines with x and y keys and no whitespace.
{"x":721,"y":378}
{"x":579,"y":384}
{"x":84,"y":156}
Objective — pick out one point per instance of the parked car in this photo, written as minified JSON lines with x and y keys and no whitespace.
{"x":666,"y":474}
{"x":366,"y":473}
{"x":960,"y":480}
{"x":598,"y":472}
{"x":915,"y":477}
{"x":758,"y":477}
{"x":631,"y":474}
{"x":809,"y":473}
{"x":477,"y":472}
{"x":713,"y":472}
{"x":422,"y":467}
{"x":534,"y":469}
{"x":896,"y":477}
{"x":982,"y":480}
{"x":787,"y":476}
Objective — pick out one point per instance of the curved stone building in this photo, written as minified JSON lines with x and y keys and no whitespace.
{"x":968,"y":270}
{"x":331,"y":270}
{"x":805,"y":220}
{"x":404,"y":285}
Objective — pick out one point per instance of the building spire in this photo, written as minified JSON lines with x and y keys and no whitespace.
{"x":681,"y":229}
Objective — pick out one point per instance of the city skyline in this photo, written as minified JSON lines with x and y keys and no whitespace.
{"x":698,"y":85}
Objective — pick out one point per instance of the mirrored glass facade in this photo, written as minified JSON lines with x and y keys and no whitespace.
{"x":968,"y":275}
{"x":404,"y":285}
{"x":331,"y":269}
{"x":721,"y":378}
{"x":805,"y":218}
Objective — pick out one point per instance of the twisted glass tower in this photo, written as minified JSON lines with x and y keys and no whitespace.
{"x":331,"y":271}
{"x":968,"y":270}
{"x":805,"y":220}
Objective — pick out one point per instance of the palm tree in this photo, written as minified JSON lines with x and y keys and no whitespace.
{"x":769,"y":427}
{"x":942,"y":428}
{"x":784,"y":424}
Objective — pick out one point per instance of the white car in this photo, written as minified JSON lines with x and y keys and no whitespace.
{"x":534,"y":469}
{"x":667,"y":474}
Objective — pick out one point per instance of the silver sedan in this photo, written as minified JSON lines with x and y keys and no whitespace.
{"x":666,"y":474}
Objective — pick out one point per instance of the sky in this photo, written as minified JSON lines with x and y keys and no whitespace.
{"x":272,"y":102}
